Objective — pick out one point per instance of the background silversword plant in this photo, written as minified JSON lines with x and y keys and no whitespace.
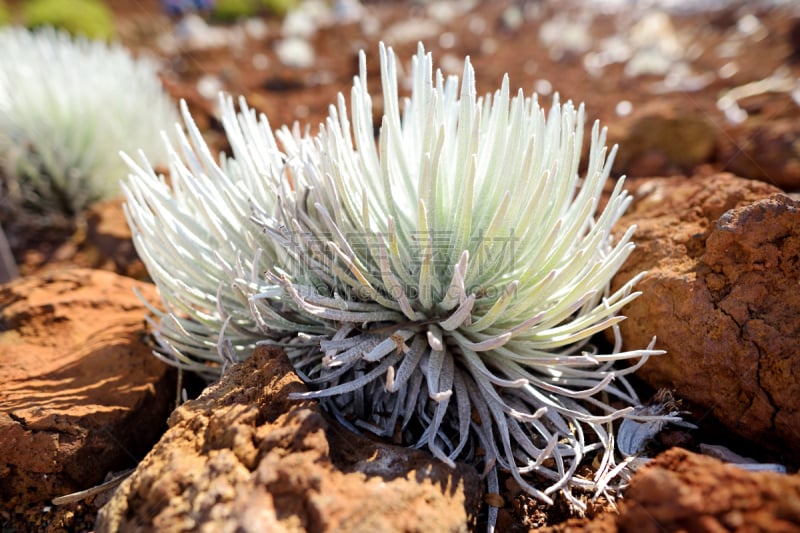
{"x":438,"y":286}
{"x":67,"y":106}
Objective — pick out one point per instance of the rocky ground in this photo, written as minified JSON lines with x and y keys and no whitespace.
{"x":703,"y":99}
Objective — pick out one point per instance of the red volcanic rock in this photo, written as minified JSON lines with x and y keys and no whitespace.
{"x":662,"y":138}
{"x":80,"y":393}
{"x":765,"y":147}
{"x":722,"y":293}
{"x":243,"y":457}
{"x":683,"y":491}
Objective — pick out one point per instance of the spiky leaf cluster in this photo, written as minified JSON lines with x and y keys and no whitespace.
{"x":438,"y":286}
{"x":67,"y":106}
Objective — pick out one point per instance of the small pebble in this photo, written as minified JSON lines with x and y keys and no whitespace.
{"x":447,"y":40}
{"x":543,"y":87}
{"x":412,"y":30}
{"x":295,"y":52}
{"x":256,"y":28}
{"x":623,"y":108}
{"x":260,"y":61}
{"x":488,"y":46}
{"x":512,"y":17}
{"x":298,"y":23}
{"x":345,"y":11}
{"x":209,"y":86}
{"x":477,"y":24}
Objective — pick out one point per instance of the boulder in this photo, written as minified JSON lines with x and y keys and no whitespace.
{"x":684,"y":491}
{"x":662,"y":138}
{"x":722,"y":294}
{"x":80,"y":392}
{"x":244,"y":457}
{"x":764,"y":148}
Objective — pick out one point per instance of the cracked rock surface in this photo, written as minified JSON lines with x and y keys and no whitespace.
{"x":722,"y":294}
{"x":81,"y":393}
{"x":244,"y":457}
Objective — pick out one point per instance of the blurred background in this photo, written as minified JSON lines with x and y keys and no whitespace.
{"x":703,"y":71}
{"x":683,"y":86}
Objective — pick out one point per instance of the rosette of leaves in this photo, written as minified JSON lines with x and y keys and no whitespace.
{"x":438,"y":286}
{"x":67,"y":107}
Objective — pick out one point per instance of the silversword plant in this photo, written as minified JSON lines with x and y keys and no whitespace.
{"x":438,"y":285}
{"x":67,"y":106}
